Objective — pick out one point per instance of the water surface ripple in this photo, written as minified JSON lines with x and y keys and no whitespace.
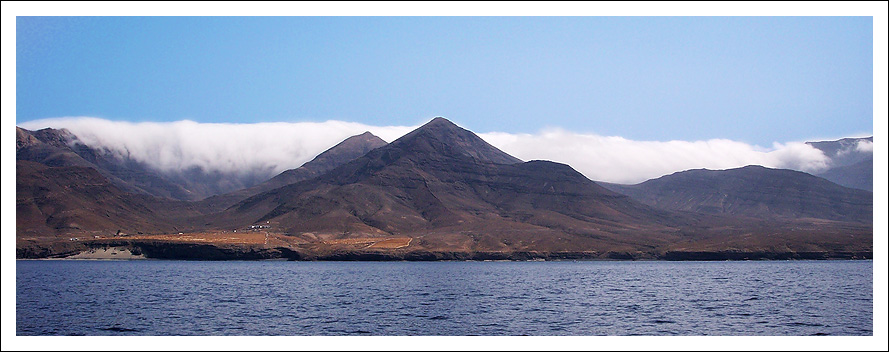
{"x":444,"y":298}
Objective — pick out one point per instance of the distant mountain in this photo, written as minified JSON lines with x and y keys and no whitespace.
{"x":859,"y":175}
{"x":846,"y":151}
{"x":754,"y":191}
{"x":851,"y":162}
{"x":446,"y":185}
{"x":347,"y":150}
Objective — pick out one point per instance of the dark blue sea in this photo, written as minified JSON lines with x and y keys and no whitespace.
{"x":152,"y":297}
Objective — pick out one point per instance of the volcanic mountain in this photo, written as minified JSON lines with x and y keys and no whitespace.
{"x":347,"y":150}
{"x":754,"y":191}
{"x":451,"y":189}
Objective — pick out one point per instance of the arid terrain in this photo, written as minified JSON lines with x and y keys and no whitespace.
{"x":437,"y":193}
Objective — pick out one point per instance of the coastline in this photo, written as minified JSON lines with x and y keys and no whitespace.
{"x":124,"y":250}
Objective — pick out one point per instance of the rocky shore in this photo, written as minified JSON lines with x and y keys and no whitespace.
{"x":193,"y":251}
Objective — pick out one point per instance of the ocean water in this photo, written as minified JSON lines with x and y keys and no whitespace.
{"x":152,"y":297}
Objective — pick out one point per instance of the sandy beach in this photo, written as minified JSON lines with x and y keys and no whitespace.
{"x":107,"y":253}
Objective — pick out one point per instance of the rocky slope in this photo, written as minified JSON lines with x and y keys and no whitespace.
{"x":347,"y":150}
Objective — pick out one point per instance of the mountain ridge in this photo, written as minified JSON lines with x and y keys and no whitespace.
{"x":753,"y":191}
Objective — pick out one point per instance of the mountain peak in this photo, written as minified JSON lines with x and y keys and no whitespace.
{"x":438,"y":120}
{"x":349,"y":149}
{"x":440,"y":124}
{"x":364,"y":138}
{"x":24,"y":138}
{"x":344,"y":151}
{"x":443,"y":137}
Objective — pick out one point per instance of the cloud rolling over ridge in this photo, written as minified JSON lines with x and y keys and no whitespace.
{"x":864,"y":146}
{"x":272,"y":147}
{"x":269,"y":147}
{"x":620,"y":160}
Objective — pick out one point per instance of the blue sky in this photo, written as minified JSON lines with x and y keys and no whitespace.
{"x":756,"y":80}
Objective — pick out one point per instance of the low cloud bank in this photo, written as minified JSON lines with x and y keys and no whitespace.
{"x":277,"y":146}
{"x":240,"y":149}
{"x":620,"y":160}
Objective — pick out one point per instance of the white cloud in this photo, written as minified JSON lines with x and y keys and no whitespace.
{"x":865,"y":146}
{"x":620,"y":160}
{"x":276,"y":146}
